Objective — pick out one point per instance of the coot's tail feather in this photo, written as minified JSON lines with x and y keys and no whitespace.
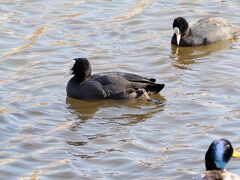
{"x":154,"y":88}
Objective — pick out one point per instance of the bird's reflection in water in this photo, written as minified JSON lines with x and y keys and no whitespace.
{"x":123,"y":112}
{"x":93,"y":117}
{"x":185,"y":56}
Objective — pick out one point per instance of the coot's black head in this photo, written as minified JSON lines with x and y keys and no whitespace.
{"x":181,"y":24}
{"x":218,"y":154}
{"x":81,"y":68}
{"x":180,"y":28}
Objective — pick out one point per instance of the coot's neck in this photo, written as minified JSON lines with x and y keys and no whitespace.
{"x":79,"y":79}
{"x":187,"y":32}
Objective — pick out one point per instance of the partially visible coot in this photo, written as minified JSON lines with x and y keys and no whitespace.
{"x":107,"y":85}
{"x":202,"y":32}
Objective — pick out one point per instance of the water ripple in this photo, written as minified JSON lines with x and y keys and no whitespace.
{"x":45,"y":135}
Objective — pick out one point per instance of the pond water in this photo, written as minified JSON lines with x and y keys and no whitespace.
{"x":46,"y":135}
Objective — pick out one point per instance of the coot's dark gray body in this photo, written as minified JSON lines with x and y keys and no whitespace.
{"x":204,"y":31}
{"x":108,"y":85}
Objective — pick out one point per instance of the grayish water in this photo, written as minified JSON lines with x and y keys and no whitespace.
{"x":47,"y":136}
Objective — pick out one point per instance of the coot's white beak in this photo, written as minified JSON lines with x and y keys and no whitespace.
{"x":69,"y":71}
{"x":178,"y":35}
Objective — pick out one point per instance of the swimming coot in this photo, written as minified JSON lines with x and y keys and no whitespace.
{"x":107,"y":85}
{"x":202,"y":32}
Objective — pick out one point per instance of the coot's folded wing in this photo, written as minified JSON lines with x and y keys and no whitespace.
{"x":128,"y":76}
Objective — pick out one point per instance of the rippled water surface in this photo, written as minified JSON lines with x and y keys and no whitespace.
{"x":46,"y":135}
